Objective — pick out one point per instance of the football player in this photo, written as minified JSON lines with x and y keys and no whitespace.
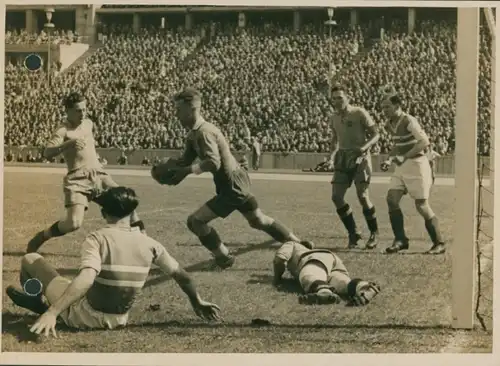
{"x":322,"y":276}
{"x":114,"y":266}
{"x":354,"y":134}
{"x":232,"y":183}
{"x":412,"y":175}
{"x":86,"y":178}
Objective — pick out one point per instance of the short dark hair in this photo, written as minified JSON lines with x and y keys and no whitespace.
{"x":337,"y":88}
{"x":188,"y":95}
{"x":72,"y":98}
{"x":118,"y":202}
{"x":395,"y":99}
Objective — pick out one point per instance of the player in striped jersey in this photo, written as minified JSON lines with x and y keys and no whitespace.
{"x":322,"y":276}
{"x":412,"y":175}
{"x":115,"y":263}
{"x":85,"y":179}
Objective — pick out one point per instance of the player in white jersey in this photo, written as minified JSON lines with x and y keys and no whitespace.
{"x":86,"y":178}
{"x":322,"y":276}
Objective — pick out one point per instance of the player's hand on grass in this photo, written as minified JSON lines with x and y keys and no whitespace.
{"x":45,"y":324}
{"x":207,"y":311}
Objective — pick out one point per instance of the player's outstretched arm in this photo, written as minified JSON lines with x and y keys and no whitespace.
{"x":171,"y":267}
{"x":56,"y":144}
{"x":75,"y":291}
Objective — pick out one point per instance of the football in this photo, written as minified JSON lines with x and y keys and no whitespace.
{"x":163,"y":173}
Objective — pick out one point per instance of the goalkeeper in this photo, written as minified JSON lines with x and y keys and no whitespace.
{"x":322,"y":276}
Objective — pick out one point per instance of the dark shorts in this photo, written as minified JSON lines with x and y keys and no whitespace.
{"x":234,"y":195}
{"x":82,"y":186}
{"x":347,"y":170}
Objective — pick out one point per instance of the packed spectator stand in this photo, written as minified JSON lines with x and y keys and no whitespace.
{"x":258,"y":81}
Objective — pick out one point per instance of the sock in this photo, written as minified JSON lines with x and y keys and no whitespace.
{"x":398,"y":225}
{"x":432,"y":227}
{"x":53,"y":231}
{"x":371,"y":219}
{"x":212,"y":242}
{"x":278,"y":232}
{"x":347,"y":218}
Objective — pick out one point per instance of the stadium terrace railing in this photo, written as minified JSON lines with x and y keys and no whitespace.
{"x":445,"y":165}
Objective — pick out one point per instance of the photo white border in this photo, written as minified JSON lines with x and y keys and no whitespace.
{"x":178,"y":359}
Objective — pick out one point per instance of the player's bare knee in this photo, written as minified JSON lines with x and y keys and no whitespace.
{"x":259,"y":221}
{"x":392,"y":200}
{"x":28,"y":259}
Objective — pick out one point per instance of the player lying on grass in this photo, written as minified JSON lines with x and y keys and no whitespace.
{"x":412,"y":175}
{"x":85,"y":179}
{"x":232,"y":183}
{"x":114,"y":267}
{"x":322,"y":276}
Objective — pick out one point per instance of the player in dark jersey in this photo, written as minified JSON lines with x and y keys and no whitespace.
{"x":354,"y":134}
{"x":232,"y":183}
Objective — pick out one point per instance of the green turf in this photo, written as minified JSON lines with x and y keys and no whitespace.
{"x":412,"y":314}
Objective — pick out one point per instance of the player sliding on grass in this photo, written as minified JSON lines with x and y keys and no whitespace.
{"x":232,"y":183}
{"x":114,"y":266}
{"x":85,"y":179}
{"x":354,"y":134}
{"x":412,"y":175}
{"x":322,"y":276}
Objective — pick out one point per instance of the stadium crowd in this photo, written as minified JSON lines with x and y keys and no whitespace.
{"x":260,"y":81}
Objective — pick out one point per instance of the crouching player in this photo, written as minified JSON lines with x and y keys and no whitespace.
{"x":322,"y":276}
{"x":114,"y":267}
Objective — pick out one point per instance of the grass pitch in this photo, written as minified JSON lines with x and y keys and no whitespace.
{"x":412,"y":313}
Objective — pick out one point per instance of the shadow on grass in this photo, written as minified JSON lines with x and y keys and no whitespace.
{"x":7,"y":253}
{"x":287,"y":285}
{"x":18,"y":325}
{"x":205,"y":265}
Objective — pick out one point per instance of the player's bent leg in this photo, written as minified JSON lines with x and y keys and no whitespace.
{"x":369,"y":212}
{"x":197,"y":223}
{"x":72,"y":222}
{"x":431,"y":225}
{"x":394,"y":196}
{"x":313,"y":279}
{"x":339,"y":189}
{"x":36,"y":278}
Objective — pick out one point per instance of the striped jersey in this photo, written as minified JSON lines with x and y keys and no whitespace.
{"x":85,"y":158}
{"x":350,"y":126}
{"x":406,"y":132}
{"x":122,"y":257}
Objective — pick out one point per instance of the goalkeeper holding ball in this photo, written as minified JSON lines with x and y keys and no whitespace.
{"x":412,"y":175}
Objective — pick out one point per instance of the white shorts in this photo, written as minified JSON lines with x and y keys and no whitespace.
{"x":414,"y":177}
{"x":80,"y":315}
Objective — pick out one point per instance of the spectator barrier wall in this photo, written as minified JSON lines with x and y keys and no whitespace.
{"x":445,"y":165}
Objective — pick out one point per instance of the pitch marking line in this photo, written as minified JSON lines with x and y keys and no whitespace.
{"x":440,"y":181}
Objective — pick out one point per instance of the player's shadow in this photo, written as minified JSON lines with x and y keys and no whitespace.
{"x":7,"y":253}
{"x":206,"y":265}
{"x":287,"y":285}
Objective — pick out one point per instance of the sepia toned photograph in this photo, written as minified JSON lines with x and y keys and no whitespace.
{"x":248,"y":179}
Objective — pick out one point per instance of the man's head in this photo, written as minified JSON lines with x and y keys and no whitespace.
{"x":187,"y":106}
{"x":117,"y":203}
{"x":391,"y":105}
{"x":339,"y":97}
{"x":76,"y":108}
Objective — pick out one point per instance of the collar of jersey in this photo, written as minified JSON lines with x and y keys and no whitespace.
{"x":198,"y":123}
